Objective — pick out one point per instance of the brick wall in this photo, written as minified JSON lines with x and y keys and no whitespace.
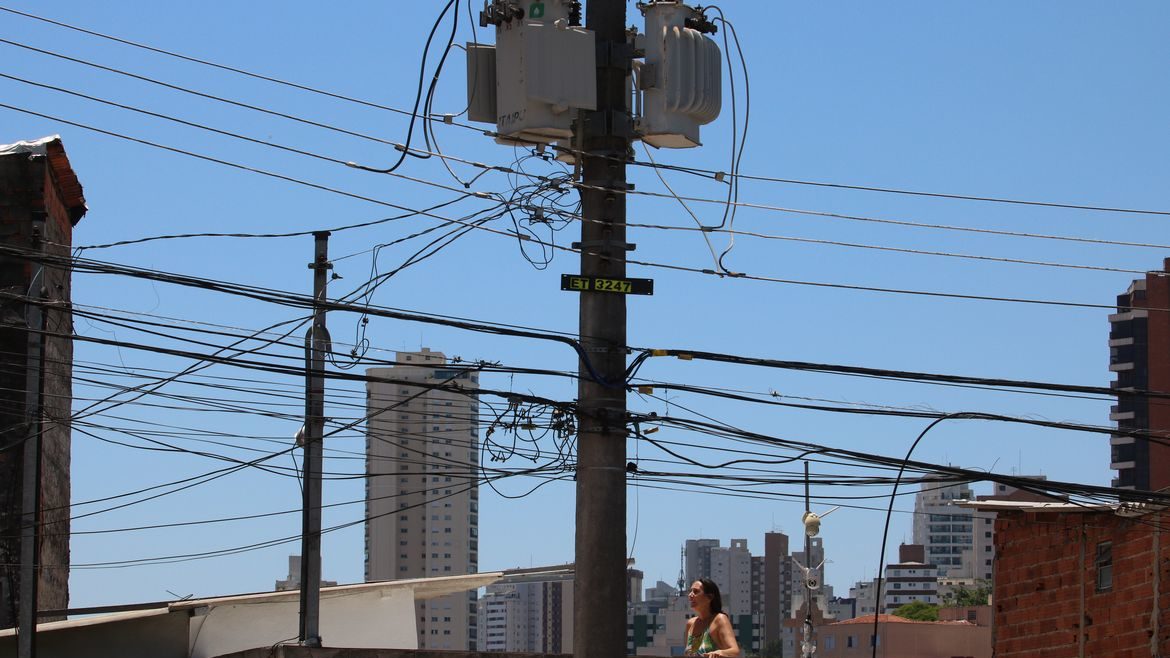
{"x":29,"y":188}
{"x":1047,"y":601}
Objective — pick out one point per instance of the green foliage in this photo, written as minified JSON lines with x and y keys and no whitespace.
{"x":963,"y":596}
{"x":918,"y":611}
{"x":772,"y":650}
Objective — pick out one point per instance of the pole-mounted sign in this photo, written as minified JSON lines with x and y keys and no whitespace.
{"x":623,"y":286}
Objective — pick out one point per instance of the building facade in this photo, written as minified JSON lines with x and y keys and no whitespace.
{"x":910,"y":579}
{"x":504,"y":619}
{"x":696,"y":561}
{"x":959,"y":541}
{"x":902,"y":638}
{"x":731,"y":569}
{"x":776,"y":577}
{"x":41,"y":201}
{"x":1139,"y":354}
{"x":422,"y":502}
{"x":1078,"y":580}
{"x":293,"y":581}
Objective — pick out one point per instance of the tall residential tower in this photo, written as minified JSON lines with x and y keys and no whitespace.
{"x":422,"y":502}
{"x":1139,"y":352}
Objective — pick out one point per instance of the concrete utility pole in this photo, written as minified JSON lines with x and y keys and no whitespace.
{"x":599,"y":592}
{"x":316,"y":342}
{"x":31,"y":478}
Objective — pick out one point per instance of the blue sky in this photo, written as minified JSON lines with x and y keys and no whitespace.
{"x":1047,"y":101}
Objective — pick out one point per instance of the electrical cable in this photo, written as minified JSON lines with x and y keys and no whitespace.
{"x":696,"y":171}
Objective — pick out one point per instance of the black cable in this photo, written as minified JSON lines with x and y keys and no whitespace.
{"x":706,"y":173}
{"x":418,"y":93}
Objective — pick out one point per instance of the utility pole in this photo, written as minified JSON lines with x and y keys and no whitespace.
{"x":30,"y":497}
{"x":808,"y":642}
{"x":316,"y":342}
{"x":604,"y":135}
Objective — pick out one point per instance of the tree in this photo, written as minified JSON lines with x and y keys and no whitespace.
{"x":772,"y":650}
{"x":918,"y":611}
{"x":963,"y":596}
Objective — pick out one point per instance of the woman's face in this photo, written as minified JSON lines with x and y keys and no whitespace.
{"x":697,"y":597}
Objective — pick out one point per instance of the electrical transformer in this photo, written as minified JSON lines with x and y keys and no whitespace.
{"x":681,"y":78}
{"x":542,"y":68}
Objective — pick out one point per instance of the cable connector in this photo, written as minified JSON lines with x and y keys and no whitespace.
{"x":659,"y":352}
{"x":684,"y":356}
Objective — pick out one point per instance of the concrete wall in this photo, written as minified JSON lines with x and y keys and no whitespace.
{"x":905,"y":640}
{"x":157,"y":636}
{"x":1046,"y":596}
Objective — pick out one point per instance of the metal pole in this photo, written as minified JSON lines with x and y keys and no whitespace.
{"x":600,"y":593}
{"x":316,"y":341}
{"x":808,"y":646}
{"x":30,"y":497}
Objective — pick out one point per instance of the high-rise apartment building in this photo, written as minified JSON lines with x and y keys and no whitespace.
{"x":1139,"y":352}
{"x":731,"y":569}
{"x":504,"y":618}
{"x":696,"y":561}
{"x":293,"y":582}
{"x":777,"y":582}
{"x":910,"y":579}
{"x":957,"y":540}
{"x":422,"y":502}
{"x":40,"y":202}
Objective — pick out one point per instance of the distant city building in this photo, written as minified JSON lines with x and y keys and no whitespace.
{"x":776,"y":577}
{"x":294,"y":576}
{"x":696,"y":561}
{"x":959,"y":541}
{"x":910,"y":579}
{"x":504,"y":616}
{"x":37,"y":186}
{"x":842,"y":608}
{"x":731,"y":569}
{"x":866,"y":595}
{"x":758,"y":591}
{"x":1139,"y":352}
{"x":422,"y":501}
{"x":902,"y":638}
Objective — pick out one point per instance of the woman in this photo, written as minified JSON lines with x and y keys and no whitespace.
{"x":709,"y":634}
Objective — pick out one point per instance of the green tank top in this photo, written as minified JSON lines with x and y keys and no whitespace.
{"x":701,"y":644}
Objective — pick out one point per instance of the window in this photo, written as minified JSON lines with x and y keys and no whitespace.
{"x":849,"y":641}
{"x":986,"y":549}
{"x":1104,"y":563}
